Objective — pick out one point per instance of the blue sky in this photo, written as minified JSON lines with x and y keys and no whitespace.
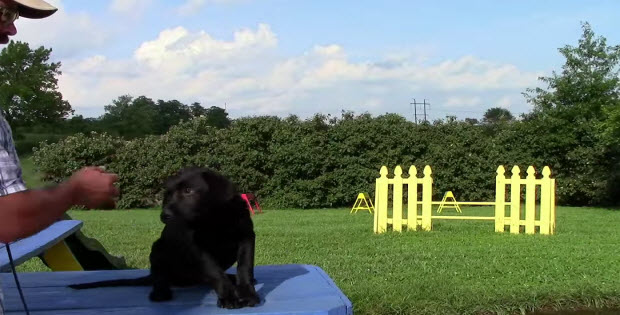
{"x":302,"y":57}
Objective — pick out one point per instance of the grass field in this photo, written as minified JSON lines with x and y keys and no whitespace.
{"x":461,"y":267}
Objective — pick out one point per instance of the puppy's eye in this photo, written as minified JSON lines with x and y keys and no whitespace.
{"x":188,"y":191}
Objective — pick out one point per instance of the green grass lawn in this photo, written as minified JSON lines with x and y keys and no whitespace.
{"x":461,"y":267}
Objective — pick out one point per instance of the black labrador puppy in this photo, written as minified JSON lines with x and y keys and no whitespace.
{"x":207,"y":229}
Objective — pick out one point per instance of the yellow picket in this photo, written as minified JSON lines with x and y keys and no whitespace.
{"x":530,"y":201}
{"x":412,"y":200}
{"x":545,"y":205}
{"x":515,"y":200}
{"x":500,"y":199}
{"x":382,"y":207}
{"x":397,"y":208}
{"x":427,"y":199}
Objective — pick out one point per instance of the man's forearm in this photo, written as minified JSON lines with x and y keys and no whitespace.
{"x":25,"y":213}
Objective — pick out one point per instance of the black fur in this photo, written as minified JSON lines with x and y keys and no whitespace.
{"x":207,"y":229}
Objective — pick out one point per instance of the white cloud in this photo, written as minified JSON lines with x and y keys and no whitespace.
{"x":177,"y":50}
{"x":247,"y":73}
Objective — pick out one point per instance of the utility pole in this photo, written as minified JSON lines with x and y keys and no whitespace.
{"x":415,"y":112}
{"x":423,"y":105}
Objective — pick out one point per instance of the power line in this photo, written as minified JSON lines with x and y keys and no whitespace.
{"x":447,"y":110}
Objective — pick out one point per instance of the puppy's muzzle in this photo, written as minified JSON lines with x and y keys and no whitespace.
{"x":165,"y":216}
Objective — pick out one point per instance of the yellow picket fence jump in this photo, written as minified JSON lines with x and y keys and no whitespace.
{"x":514,"y":221}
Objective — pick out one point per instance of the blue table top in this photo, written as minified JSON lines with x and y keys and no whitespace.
{"x":283,"y":289}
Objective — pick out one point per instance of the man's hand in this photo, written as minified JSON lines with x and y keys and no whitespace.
{"x":94,"y":188}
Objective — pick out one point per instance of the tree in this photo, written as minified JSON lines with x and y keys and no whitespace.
{"x":217,"y":117}
{"x":29,"y":86}
{"x":587,"y":85}
{"x":80,"y":124}
{"x":471,"y":121}
{"x":129,"y":117}
{"x":170,"y":113}
{"x":573,"y":114}
{"x":610,"y":127}
{"x":197,"y":110}
{"x":497,"y":115}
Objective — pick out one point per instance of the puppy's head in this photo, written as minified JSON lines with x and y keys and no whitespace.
{"x":194,"y":192}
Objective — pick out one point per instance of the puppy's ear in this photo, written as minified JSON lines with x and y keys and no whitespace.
{"x":219,"y":186}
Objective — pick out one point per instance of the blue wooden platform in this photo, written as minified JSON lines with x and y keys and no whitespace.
{"x":36,"y":244}
{"x":283,"y":289}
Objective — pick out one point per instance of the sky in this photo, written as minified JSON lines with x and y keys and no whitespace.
{"x":302,"y":57}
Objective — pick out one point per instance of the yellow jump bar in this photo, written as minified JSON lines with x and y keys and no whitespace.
{"x":458,"y":217}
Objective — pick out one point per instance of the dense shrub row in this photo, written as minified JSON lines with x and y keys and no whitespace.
{"x":326,"y":161}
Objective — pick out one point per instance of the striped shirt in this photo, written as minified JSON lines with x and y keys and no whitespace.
{"x":10,"y":171}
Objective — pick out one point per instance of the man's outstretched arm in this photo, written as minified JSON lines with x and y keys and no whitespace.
{"x":25,"y":213}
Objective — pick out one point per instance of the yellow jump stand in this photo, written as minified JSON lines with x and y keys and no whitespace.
{"x":60,"y":258}
{"x":363,"y":202}
{"x":446,"y":203}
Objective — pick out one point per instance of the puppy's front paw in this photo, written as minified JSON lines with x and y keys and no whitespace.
{"x":247,"y":295}
{"x":229,"y":302}
{"x":160,"y":295}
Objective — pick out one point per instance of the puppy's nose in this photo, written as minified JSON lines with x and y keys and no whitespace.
{"x":165,"y":217}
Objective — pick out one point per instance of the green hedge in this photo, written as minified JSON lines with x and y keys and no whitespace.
{"x":24,"y":143}
{"x":326,"y":161}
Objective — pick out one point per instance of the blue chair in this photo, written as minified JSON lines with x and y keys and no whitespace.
{"x":49,"y":244}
